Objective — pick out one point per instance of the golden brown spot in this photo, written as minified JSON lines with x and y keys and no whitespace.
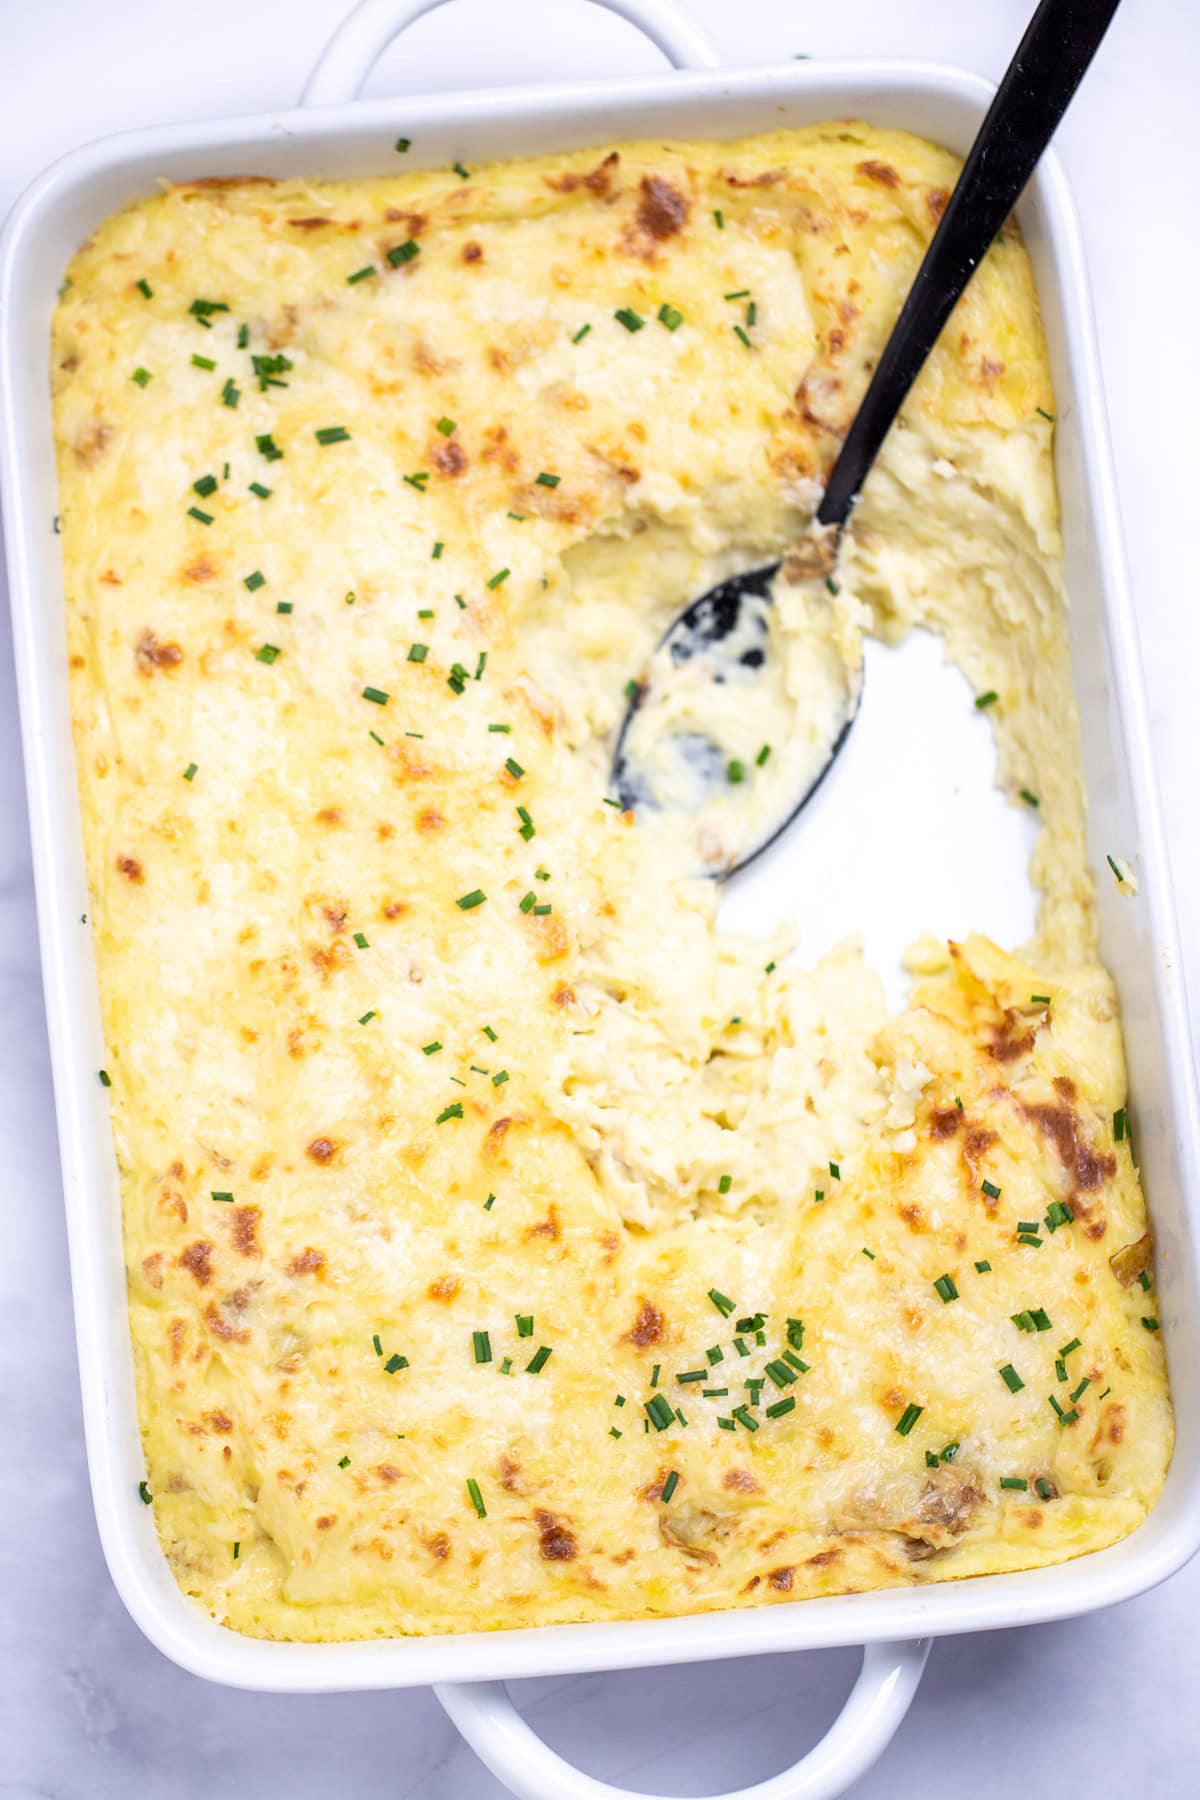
{"x":197,"y":1260}
{"x":152,"y":1268}
{"x":548,"y":1227}
{"x":203,"y":569}
{"x":438,"y":1545}
{"x":331,"y":957}
{"x":880,"y":172}
{"x":823,"y":1558}
{"x":336,"y":915}
{"x":990,"y":371}
{"x":228,"y":181}
{"x":1114,"y":1423}
{"x":176,"y":1331}
{"x":912,"y":1215}
{"x":836,"y":341}
{"x":449,"y":456}
{"x":978,"y":1142}
{"x":430,"y":820}
{"x":394,"y":909}
{"x":493,"y":1143}
{"x":563,"y":995}
{"x":415,"y":221}
{"x":472,"y":252}
{"x":131,"y":868}
{"x":326,"y":1520}
{"x":329,"y":815}
{"x":151,"y":655}
{"x":1011,"y":1038}
{"x":444,"y":1288}
{"x":1088,"y":1168}
{"x":662,"y":210}
{"x":781,"y":1579}
{"x":768,"y":178}
{"x":552,"y":938}
{"x":219,"y":1325}
{"x":307,"y":1262}
{"x":389,"y":1472}
{"x":1065,"y":1088}
{"x":741,"y":1480}
{"x":219,"y":1422}
{"x":937,"y":200}
{"x":322,"y":1150}
{"x":91,"y":444}
{"x":649,"y":1327}
{"x":245,"y":1229}
{"x":510,"y":1476}
{"x":557,"y":1543}
{"x":311,"y":224}
{"x":945,"y":1123}
{"x":597,"y":181}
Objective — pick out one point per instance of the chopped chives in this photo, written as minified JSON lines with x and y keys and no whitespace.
{"x":331,"y":434}
{"x":105,"y":1078}
{"x":225,"y":1199}
{"x":1041,"y":1318}
{"x":762,"y":756}
{"x":419,"y":481}
{"x":715,"y":1354}
{"x":501,"y":575}
{"x":669,"y":1486}
{"x":670,"y":316}
{"x":1084,"y":1384}
{"x":1043,"y":1487}
{"x":195,"y":513}
{"x":367,"y":1017}
{"x":1011,"y":1379}
{"x":243,"y":336}
{"x":203,"y":362}
{"x":361,"y":274}
{"x":990,"y":1189}
{"x":736,"y":294}
{"x":779,"y":1407}
{"x":476,"y":1498}
{"x":1060,"y":1368}
{"x":437,"y":550}
{"x":1044,"y":414}
{"x":1058,"y":1213}
{"x":908,"y":1418}
{"x":144,"y":288}
{"x":692,"y":1375}
{"x":547,"y":480}
{"x":1120,"y":1125}
{"x":736,"y":771}
{"x":538,"y":1360}
{"x":201,"y":309}
{"x":659,"y":1411}
{"x":613,"y":1432}
{"x":266,"y":446}
{"x":835,"y":1169}
{"x":489,"y":1203}
{"x":1067,"y":1348}
{"x":402,"y":253}
{"x":254,"y":581}
{"x":231,"y":393}
{"x":453,"y":1111}
{"x":264,"y":493}
{"x":506,"y":1366}
{"x":988,"y":699}
{"x":403,"y":144}
{"x":719,"y":219}
{"x":1039,"y":999}
{"x":361,"y":940}
{"x":944,"y":1286}
{"x":869,"y":1253}
{"x":344,"y":1463}
{"x":514,"y":768}
{"x":418,"y":652}
{"x":500,"y":1077}
{"x":631,"y":320}
{"x":738,"y":332}
{"x":524,"y":1324}
{"x":465,"y":174}
{"x":430,"y":1049}
{"x":377,"y":696}
{"x":206,"y":485}
{"x":1150,"y":1324}
{"x":781,"y":1375}
{"x":378,"y":1345}
{"x":744,"y":1417}
{"x":723,"y":1305}
{"x":1015,"y":1482}
{"x":481,"y":1345}
{"x":144,"y":1493}
{"x":581,"y":334}
{"x":189,"y":774}
{"x":528,"y":901}
{"x":489,"y":1033}
{"x":1028,"y":798}
{"x":725,"y":1183}
{"x":466,"y":902}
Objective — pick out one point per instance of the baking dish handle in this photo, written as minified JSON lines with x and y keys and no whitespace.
{"x":878,"y":1701}
{"x":370,"y":28}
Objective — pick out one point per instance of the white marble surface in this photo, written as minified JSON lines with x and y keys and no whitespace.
{"x":1104,"y":1706}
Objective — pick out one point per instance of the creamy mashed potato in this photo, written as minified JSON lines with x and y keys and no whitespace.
{"x":508,"y":1244}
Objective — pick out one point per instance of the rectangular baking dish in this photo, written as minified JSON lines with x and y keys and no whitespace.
{"x":334,"y":135}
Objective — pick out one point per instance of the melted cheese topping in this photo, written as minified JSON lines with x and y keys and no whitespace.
{"x":506,"y":1243}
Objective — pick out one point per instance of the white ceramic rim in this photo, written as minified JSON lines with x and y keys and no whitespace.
{"x":889,"y":1677}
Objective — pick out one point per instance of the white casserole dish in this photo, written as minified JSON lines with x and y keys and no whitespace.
{"x":336,"y":136}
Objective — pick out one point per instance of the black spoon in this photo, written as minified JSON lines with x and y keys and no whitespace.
{"x":726,"y":628}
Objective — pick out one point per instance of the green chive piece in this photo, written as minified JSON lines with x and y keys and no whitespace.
{"x":985,"y":700}
{"x":514,"y":768}
{"x":736,"y":294}
{"x":143,"y":287}
{"x":719,"y":218}
{"x":201,"y":309}
{"x":403,"y":144}
{"x":254,"y":581}
{"x":1014,"y":1482}
{"x":1120,"y":1126}
{"x":143,"y":377}
{"x":189,"y":774}
{"x":476,"y":1498}
{"x":1150,"y":1324}
{"x":367,"y":1017}
{"x":500,"y":1077}
{"x":501,"y":575}
{"x":781,"y":1375}
{"x":481,"y":1345}
{"x":1011,"y":1379}
{"x":332,"y":434}
{"x":1028,"y":798}
{"x":430,"y":1049}
{"x":745,"y":1417}
{"x":361,"y":274}
{"x":723,"y":1305}
{"x":990,"y":1189}
{"x":547,"y":480}
{"x":869,"y":1253}
{"x":736,"y":771}
{"x":908,"y":1418}
{"x":361,"y":941}
{"x":1067,"y":1348}
{"x":377,"y":696}
{"x":524,"y":1324}
{"x":195,"y":513}
{"x":206,"y":485}
{"x":466,"y":902}
{"x":780,"y":1407}
{"x":465,"y":174}
{"x":437,"y":550}
{"x":944,"y":1286}
{"x":1039,"y":999}
{"x":738,"y":332}
{"x":762,"y":756}
{"x":418,"y":652}
{"x":1045,"y":415}
{"x":631,"y":320}
{"x":489,"y":1203}
{"x":725,"y":1183}
{"x":403,"y":253}
{"x":1058,"y":1213}
{"x":660,"y":1412}
{"x":670,"y":316}
{"x":243,"y":336}
{"x":264,"y":493}
{"x":835,"y":1169}
{"x":669,"y":1486}
{"x":267,"y":653}
{"x":105,"y":1078}
{"x":144,"y":1492}
{"x":344,"y":1463}
{"x":225,"y":1199}
{"x":538,"y":1360}
{"x":453,"y":1111}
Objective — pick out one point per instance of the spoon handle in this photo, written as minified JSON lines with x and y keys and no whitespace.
{"x":1062,"y":38}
